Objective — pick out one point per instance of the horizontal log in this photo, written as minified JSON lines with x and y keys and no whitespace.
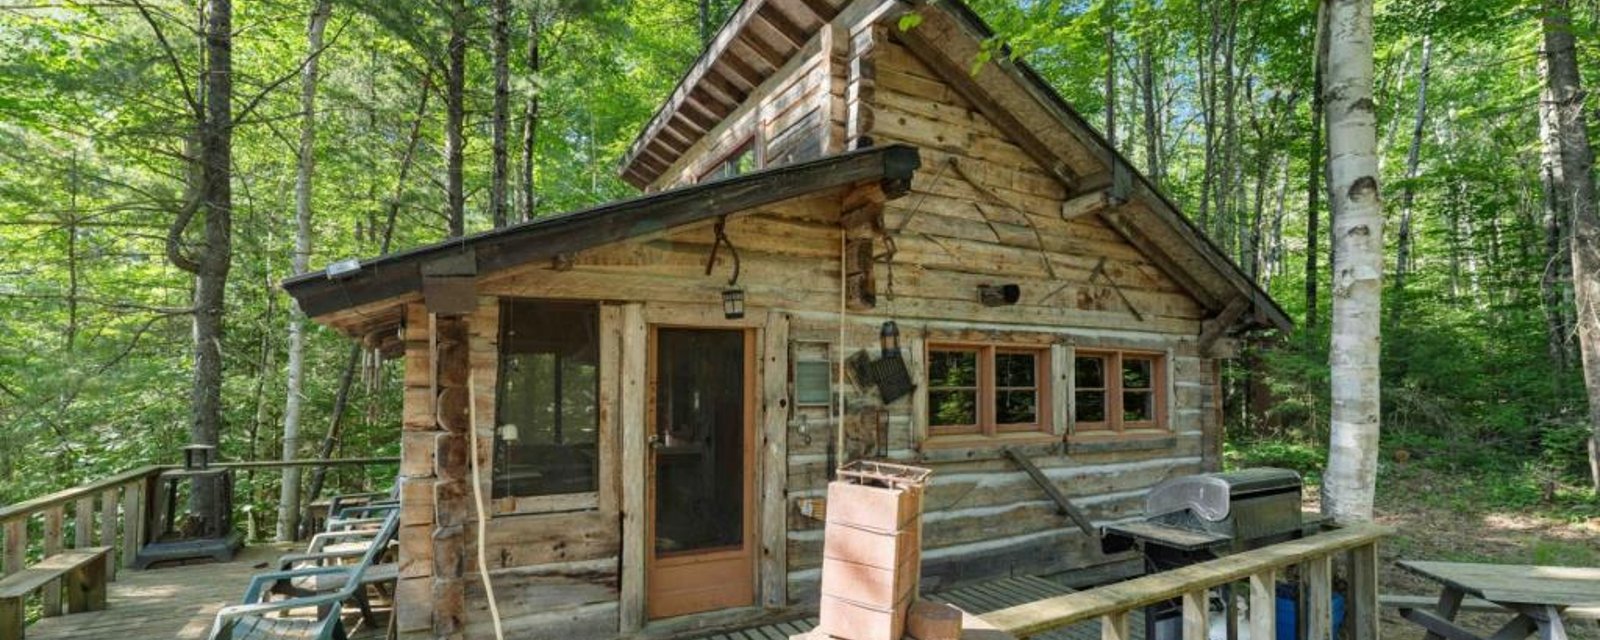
{"x":29,"y":507}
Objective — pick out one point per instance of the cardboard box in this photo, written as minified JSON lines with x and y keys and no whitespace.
{"x":929,"y":620}
{"x":848,"y":620}
{"x":868,"y":585}
{"x":872,"y":548}
{"x":880,"y":509}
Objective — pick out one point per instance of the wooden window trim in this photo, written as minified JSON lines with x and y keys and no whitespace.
{"x":987,"y":428}
{"x":1114,"y":427}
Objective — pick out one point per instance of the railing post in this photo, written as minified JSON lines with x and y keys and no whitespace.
{"x":132,"y":520}
{"x":16,"y":543}
{"x":53,"y":537}
{"x":1114,"y":626}
{"x":83,"y":523}
{"x":1263,"y":604}
{"x":1316,"y":575}
{"x":1363,"y":602}
{"x":108,"y":529}
{"x":1196,"y":615}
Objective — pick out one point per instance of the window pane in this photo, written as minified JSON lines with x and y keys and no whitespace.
{"x":547,"y":405}
{"x":1017,"y":407}
{"x":812,"y":382}
{"x":1138,"y":406}
{"x":1091,"y":406}
{"x":700,"y":414}
{"x":1090,"y":372}
{"x":1015,"y":369}
{"x":952,"y":407}
{"x":953,"y":369}
{"x":1137,"y":373}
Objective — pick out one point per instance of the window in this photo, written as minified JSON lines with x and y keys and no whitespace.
{"x":986,"y":389}
{"x":740,"y":161}
{"x":1118,"y":392}
{"x":547,"y":403}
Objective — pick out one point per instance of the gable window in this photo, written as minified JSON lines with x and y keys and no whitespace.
{"x":1118,"y":392}
{"x":740,"y":161}
{"x":986,"y":389}
{"x":547,"y":403}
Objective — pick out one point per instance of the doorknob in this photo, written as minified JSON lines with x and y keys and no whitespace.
{"x":655,"y":441}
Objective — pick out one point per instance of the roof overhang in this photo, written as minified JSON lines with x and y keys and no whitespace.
{"x":371,"y":291}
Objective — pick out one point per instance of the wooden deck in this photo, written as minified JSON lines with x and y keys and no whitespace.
{"x":173,"y":603}
{"x":979,"y":599}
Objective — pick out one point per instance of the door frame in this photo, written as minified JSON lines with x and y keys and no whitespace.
{"x":768,"y":528}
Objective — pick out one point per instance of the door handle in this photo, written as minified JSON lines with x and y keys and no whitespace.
{"x":655,"y":441}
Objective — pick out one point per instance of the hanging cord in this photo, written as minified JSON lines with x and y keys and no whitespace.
{"x":477,"y":499}
{"x":843,"y":287}
{"x":722,"y":239}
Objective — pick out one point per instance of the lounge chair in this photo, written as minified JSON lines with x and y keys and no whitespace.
{"x":256,"y":616}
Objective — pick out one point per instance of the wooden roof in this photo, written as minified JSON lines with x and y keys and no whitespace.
{"x":363,"y":302}
{"x":755,"y":42}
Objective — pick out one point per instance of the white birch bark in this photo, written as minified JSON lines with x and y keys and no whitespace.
{"x":1357,"y":210}
{"x":289,"y":491}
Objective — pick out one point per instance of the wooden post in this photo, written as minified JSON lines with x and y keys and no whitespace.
{"x":53,"y":539}
{"x":1263,"y":604}
{"x":1114,"y":626}
{"x":1363,"y":602}
{"x":1317,"y":574}
{"x":635,"y":336}
{"x":1196,"y":615}
{"x":774,"y":460}
{"x":452,"y":510}
{"x":108,"y":530}
{"x":86,"y":587}
{"x":132,"y":521}
{"x":83,"y":523}
{"x":16,"y":544}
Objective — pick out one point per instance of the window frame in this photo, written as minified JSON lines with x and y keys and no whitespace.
{"x":988,"y":425}
{"x":710,"y":172}
{"x":557,"y":502}
{"x":1115,"y":425}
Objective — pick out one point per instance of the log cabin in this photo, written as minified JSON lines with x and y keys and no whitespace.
{"x":852,"y":242}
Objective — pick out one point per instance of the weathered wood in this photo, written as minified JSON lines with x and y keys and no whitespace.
{"x":1438,"y":627}
{"x":133,"y":514}
{"x":1197,"y":615}
{"x":1362,"y":605}
{"x":1114,"y":626}
{"x":1561,"y":586}
{"x":1053,"y":613}
{"x":108,"y":529}
{"x":1263,"y":604}
{"x":36,"y":505}
{"x":1064,"y":505}
{"x":16,"y":544}
{"x":1218,"y":326}
{"x":634,"y":433}
{"x":610,"y":404}
{"x":774,"y":460}
{"x":83,"y":523}
{"x":1317,"y":580}
{"x":53,"y":544}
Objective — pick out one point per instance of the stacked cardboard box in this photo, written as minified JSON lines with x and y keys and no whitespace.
{"x":872,"y":552}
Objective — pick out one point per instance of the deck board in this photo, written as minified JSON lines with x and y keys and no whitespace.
{"x":173,"y":602}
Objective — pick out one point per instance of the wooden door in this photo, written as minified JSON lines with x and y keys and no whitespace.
{"x":700,"y":498}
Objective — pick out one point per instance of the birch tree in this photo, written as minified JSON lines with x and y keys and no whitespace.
{"x":289,"y":491}
{"x":1353,"y":195}
{"x":1577,"y":183}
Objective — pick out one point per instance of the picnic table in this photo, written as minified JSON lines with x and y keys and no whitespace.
{"x":1537,"y":596}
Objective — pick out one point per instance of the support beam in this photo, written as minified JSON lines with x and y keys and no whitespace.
{"x":1087,"y":204}
{"x":1217,"y":326}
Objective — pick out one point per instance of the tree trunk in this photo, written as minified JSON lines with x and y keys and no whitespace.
{"x":1314,"y":161}
{"x":530,"y":118}
{"x":502,"y":110}
{"x":1152,"y":128}
{"x":1402,"y":263}
{"x":1577,"y":181}
{"x":1358,"y":264}
{"x":1555,"y":283}
{"x":455,"y":117}
{"x":289,"y":491}
{"x":1108,"y":19}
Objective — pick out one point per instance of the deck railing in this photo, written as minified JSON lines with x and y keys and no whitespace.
{"x":110,"y":512}
{"x":1313,"y":555}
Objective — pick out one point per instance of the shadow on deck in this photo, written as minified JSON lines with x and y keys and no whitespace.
{"x":177,"y":602}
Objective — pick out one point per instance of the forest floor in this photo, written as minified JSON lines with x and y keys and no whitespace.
{"x":1449,"y":515}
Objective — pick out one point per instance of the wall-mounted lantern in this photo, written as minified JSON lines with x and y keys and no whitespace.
{"x":733,"y":295}
{"x":889,"y":339}
{"x":733,"y":303}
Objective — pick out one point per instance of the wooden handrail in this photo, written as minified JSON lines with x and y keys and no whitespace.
{"x":1111,"y":600}
{"x":35,"y":505}
{"x":278,"y":464}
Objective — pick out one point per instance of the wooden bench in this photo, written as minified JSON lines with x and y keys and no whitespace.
{"x":85,"y":574}
{"x":1474,"y":605}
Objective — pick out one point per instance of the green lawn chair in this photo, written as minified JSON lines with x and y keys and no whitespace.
{"x":258,"y":617}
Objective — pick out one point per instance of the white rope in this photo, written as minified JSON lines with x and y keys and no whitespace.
{"x":838,"y":423}
{"x":477,"y":499}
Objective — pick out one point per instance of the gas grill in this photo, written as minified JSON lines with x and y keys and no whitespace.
{"x":1196,"y":518}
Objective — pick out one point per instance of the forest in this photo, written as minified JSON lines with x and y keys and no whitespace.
{"x":352,"y":128}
